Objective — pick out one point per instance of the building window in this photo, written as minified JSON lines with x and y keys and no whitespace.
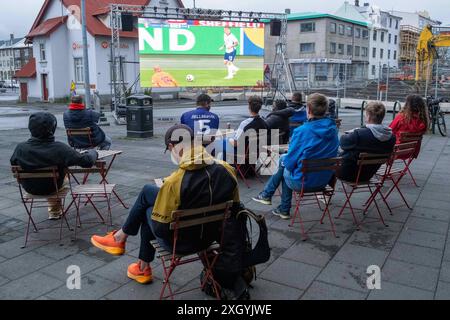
{"x":382,"y":37}
{"x":350,"y":31}
{"x":308,"y":27}
{"x":349,"y":50}
{"x":390,"y":38}
{"x":341,"y":48}
{"x":358,"y":33}
{"x":42,"y":51}
{"x":301,"y":71}
{"x":341,"y":29}
{"x":395,"y":39}
{"x":357,"y":51}
{"x":333,"y":27}
{"x":381,"y":53}
{"x":396,"y":24}
{"x":395,"y":54}
{"x":364,"y":52}
{"x":374,"y":69}
{"x":79,"y":72}
{"x":307,"y":47}
{"x":390,"y":22}
{"x":321,"y":72}
{"x":365,"y":34}
{"x":389,"y":54}
{"x":333,"y":48}
{"x":375,"y":35}
{"x":374,"y":52}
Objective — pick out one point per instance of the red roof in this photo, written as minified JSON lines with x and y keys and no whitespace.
{"x":93,"y":8}
{"x":28,"y":70}
{"x":47,"y":27}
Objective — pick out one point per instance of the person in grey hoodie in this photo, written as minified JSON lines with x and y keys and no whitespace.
{"x":374,"y":138}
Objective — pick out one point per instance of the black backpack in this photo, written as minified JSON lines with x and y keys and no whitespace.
{"x":236,"y":266}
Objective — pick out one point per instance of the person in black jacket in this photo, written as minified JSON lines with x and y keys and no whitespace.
{"x":42,"y":151}
{"x":374,"y":138}
{"x":77,"y":117}
{"x":278,"y":119}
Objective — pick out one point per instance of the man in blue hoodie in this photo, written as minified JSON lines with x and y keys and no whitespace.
{"x":316,"y":139}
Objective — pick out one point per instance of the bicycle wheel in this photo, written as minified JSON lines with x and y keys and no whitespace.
{"x":442,"y":126}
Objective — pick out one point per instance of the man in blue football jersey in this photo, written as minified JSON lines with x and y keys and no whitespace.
{"x":201,"y":120}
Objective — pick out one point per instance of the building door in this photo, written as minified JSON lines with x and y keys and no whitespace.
{"x":23,"y":92}
{"x":44,"y":87}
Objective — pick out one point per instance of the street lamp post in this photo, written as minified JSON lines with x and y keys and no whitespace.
{"x":87,"y":85}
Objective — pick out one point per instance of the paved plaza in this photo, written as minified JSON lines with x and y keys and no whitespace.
{"x":413,"y":252}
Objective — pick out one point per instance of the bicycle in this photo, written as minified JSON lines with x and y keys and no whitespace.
{"x":437,"y":116}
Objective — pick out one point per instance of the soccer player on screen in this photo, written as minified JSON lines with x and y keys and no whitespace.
{"x":163,"y":79}
{"x":230,"y":45}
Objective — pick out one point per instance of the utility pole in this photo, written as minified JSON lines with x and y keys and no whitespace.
{"x":194,"y":4}
{"x":87,"y":85}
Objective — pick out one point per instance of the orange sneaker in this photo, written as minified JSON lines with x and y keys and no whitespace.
{"x":109,"y":244}
{"x":135,"y":273}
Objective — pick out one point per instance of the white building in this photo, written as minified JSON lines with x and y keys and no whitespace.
{"x":57,"y":47}
{"x":14,"y":54}
{"x":384,"y":34}
{"x":417,"y":20}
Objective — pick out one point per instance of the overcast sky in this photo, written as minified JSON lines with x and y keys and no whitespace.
{"x":17,"y":16}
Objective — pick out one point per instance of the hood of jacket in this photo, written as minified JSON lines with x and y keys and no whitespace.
{"x":42,"y":125}
{"x":381,"y":132}
{"x":198,"y":158}
{"x":324,"y":128}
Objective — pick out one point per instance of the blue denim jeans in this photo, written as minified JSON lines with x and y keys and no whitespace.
{"x":282,"y":176}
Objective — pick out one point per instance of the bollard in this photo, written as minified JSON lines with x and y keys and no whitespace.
{"x":363,"y":108}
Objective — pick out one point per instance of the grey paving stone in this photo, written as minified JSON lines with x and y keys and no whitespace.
{"x":410,"y":274}
{"x":376,"y":237}
{"x":443,"y":291}
{"x":23,"y":265}
{"x":29,"y":287}
{"x":394,"y":291}
{"x":310,"y":253}
{"x":428,"y":213}
{"x":58,"y":270}
{"x":362,"y":256}
{"x":324,"y":291}
{"x":427,"y":225}
{"x":424,"y":239}
{"x":3,"y":280}
{"x":12,"y":248}
{"x":291,"y":273}
{"x":263,"y":290}
{"x":182,"y":274}
{"x":92,"y":287}
{"x":345,"y":275}
{"x":445,"y":272}
{"x":117,"y":270}
{"x":417,"y":255}
{"x":135,"y":291}
{"x":66,"y":249}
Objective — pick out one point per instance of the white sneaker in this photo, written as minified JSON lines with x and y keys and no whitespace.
{"x":229,"y":77}
{"x":235,"y":70}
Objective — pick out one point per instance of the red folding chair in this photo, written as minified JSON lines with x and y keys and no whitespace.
{"x":412,"y":137}
{"x":101,"y":192}
{"x":396,"y":174}
{"x":31,"y":202}
{"x":183,"y":219}
{"x":373,"y":186}
{"x":311,"y":197}
{"x":242,"y":162}
{"x":85,"y":133}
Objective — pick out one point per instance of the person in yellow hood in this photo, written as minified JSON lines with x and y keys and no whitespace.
{"x":200,"y":181}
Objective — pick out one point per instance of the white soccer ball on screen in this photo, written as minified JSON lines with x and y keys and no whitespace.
{"x":190,"y":78}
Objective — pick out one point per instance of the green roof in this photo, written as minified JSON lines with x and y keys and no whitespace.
{"x":317,"y":15}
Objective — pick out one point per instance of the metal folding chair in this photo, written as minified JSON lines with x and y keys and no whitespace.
{"x":311,"y":197}
{"x":85,"y":133}
{"x":92,"y":192}
{"x":171,"y":259}
{"x":406,"y":137}
{"x":31,"y":202}
{"x":373,"y":186}
{"x":396,"y":174}
{"x":242,"y":162}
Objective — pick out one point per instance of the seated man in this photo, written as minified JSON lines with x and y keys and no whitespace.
{"x":77,"y":117}
{"x":374,"y":137}
{"x":201,"y":120}
{"x":299,"y":116}
{"x":42,"y":151}
{"x":278,"y":119}
{"x":200,"y":181}
{"x":316,"y":139}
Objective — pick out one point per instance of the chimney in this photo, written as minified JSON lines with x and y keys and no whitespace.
{"x":11,"y":38}
{"x":287,"y":11}
{"x":357,"y":3}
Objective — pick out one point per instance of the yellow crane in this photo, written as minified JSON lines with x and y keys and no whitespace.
{"x":427,"y":50}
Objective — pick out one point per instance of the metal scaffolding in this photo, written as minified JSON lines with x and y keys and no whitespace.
{"x":280,"y":70}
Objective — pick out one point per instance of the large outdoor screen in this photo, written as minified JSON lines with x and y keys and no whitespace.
{"x":195,"y":53}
